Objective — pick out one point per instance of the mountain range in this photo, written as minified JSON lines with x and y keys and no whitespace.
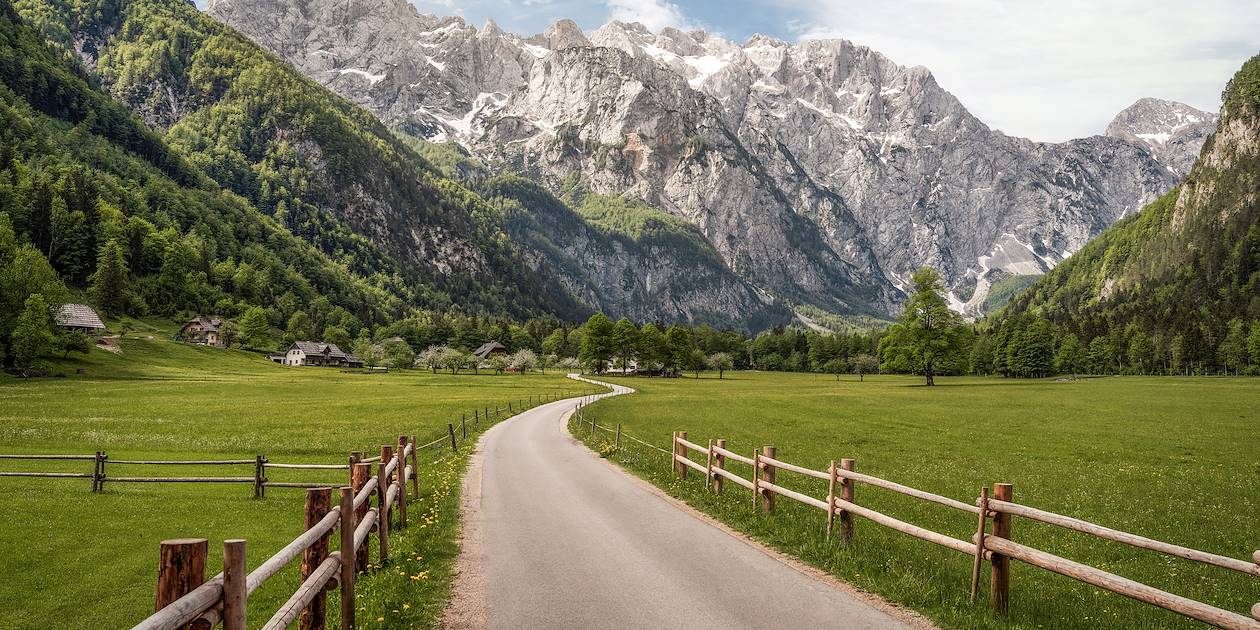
{"x":821,"y":173}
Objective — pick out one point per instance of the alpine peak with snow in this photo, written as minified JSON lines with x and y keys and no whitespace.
{"x":822,"y":172}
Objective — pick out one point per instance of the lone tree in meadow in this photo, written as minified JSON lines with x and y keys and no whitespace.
{"x":721,"y":362}
{"x":864,"y":364}
{"x":928,"y":334}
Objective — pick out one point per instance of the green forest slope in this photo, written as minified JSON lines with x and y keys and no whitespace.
{"x":1177,"y":286}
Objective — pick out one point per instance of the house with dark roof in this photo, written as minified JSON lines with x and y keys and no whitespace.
{"x":318,"y":353}
{"x":489,"y":349}
{"x":79,"y":317}
{"x":202,"y":330}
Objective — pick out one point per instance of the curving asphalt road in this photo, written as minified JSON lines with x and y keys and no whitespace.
{"x":555,"y":537}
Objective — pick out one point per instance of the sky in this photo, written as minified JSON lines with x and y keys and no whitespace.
{"x":1041,"y":69}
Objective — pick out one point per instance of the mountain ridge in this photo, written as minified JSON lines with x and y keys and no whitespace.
{"x":887,"y":170}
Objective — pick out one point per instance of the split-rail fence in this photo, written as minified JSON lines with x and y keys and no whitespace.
{"x":993,"y":511}
{"x":185,"y":599}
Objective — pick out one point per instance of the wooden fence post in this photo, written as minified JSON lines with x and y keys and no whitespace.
{"x":1000,"y":565}
{"x":673,"y":452}
{"x":831,"y":497}
{"x":617,"y":442}
{"x":415,"y":465}
{"x":463,"y":426}
{"x":382,"y":517}
{"x":708,"y":467}
{"x":96,"y":472}
{"x":510,"y":407}
{"x":450,"y":428}
{"x":402,"y":481}
{"x":682,"y":451}
{"x":721,"y":464}
{"x":846,"y":493}
{"x":259,"y":480}
{"x":983,"y":504}
{"x":592,"y":426}
{"x":756,"y":477}
{"x":100,"y":486}
{"x":358,"y":480}
{"x":348,"y":556}
{"x":476,"y":416}
{"x":181,"y":568}
{"x":234,"y":574}
{"x":318,"y":502}
{"x":767,"y":475}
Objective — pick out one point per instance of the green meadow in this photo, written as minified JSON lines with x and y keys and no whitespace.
{"x":1169,"y":458}
{"x":78,"y":559}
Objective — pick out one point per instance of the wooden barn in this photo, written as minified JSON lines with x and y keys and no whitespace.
{"x":80,"y":317}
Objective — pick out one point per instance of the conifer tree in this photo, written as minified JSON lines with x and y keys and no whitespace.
{"x":110,"y":288}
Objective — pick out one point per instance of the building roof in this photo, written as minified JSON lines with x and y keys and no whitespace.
{"x":309,"y":347}
{"x":321,"y":348}
{"x":79,"y":316}
{"x":488,"y":347}
{"x":208,"y":324}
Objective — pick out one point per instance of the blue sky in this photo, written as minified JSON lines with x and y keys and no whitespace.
{"x":1047,"y":70}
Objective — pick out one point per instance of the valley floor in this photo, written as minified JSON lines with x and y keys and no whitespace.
{"x":81,"y":559}
{"x":1170,"y":458}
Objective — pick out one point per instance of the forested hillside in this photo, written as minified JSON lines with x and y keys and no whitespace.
{"x":325,"y":169}
{"x":94,"y":202}
{"x":1173,"y":289}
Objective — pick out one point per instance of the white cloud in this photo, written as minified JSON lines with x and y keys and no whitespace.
{"x":1053,"y":70}
{"x":654,"y":14}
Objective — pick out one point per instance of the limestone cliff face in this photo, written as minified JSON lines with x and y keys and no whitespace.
{"x":822,"y":172}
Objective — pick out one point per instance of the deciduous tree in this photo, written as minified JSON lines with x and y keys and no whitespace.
{"x":32,"y":336}
{"x":928,"y":333}
{"x":721,"y":362}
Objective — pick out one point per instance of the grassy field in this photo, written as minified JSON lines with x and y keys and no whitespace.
{"x":1173,"y":459}
{"x":77,"y":559}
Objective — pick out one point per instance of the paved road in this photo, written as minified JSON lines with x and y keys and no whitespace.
{"x":558,"y":538}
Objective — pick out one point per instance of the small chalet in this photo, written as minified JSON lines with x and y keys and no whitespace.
{"x":318,"y":353}
{"x":202,"y":330}
{"x":80,"y":317}
{"x":489,"y":349}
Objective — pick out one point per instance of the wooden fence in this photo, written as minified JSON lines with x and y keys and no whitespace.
{"x":993,"y":515}
{"x":255,"y":469}
{"x":186,"y":600}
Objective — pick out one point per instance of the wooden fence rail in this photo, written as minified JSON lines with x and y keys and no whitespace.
{"x":186,"y":599}
{"x":995,"y":545}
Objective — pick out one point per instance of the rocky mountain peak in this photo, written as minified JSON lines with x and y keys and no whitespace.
{"x":1170,"y":131}
{"x":560,"y":35}
{"x":822,"y":171}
